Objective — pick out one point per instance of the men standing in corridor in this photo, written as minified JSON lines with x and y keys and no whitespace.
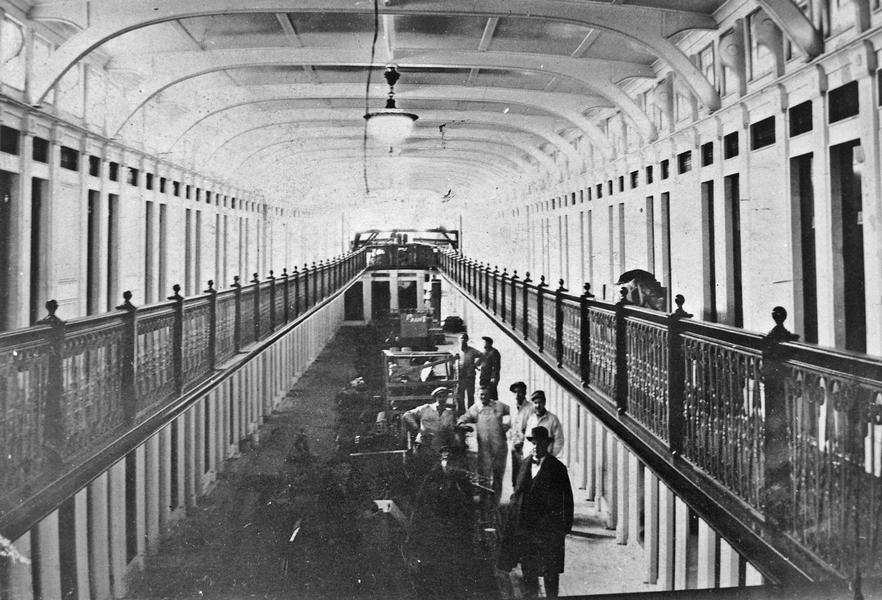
{"x":490,"y":417}
{"x":521,"y":412}
{"x":468,"y":362}
{"x":490,"y":363}
{"x":542,"y":417}
{"x":434,"y":421}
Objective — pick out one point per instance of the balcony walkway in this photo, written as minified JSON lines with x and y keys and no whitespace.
{"x":234,"y":545}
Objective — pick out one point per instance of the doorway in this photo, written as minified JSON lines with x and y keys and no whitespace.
{"x":407,"y":294}
{"x":381,"y":299}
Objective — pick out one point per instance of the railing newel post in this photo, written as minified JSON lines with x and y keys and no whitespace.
{"x":212,"y":324}
{"x":306,"y":287}
{"x":237,"y":330}
{"x":487,"y":285}
{"x":621,"y":387}
{"x":53,"y":421}
{"x":178,"y":338}
{"x":558,"y":322}
{"x":315,"y":283}
{"x":272,"y":301}
{"x":127,"y":390}
{"x":286,"y":295}
{"x":540,"y":313}
{"x":775,"y":497}
{"x":585,"y":335}
{"x":495,"y":288}
{"x":514,"y":299}
{"x":525,"y":308}
{"x":502,"y":285}
{"x":256,"y":313}
{"x":296,"y":277}
{"x":676,"y":377}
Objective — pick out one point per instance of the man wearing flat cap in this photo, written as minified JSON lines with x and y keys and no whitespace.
{"x":434,"y":421}
{"x":520,"y":413}
{"x":540,"y":517}
{"x":490,"y":363}
{"x":543,"y":417}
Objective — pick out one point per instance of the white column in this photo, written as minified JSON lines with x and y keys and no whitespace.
{"x":681,"y":543}
{"x":99,"y":551}
{"x":81,"y":542}
{"x":650,"y":525}
{"x":117,"y":506}
{"x":665,"y":537}
{"x":191,"y":469}
{"x":165,"y":458}
{"x":623,"y":491}
{"x":47,"y":557}
{"x":590,"y":453}
{"x":599,"y":454}
{"x":152,"y":493}
{"x":612,"y":515}
{"x":707,"y":556}
{"x":634,"y":497}
{"x":141,"y":503}
{"x":729,"y":560}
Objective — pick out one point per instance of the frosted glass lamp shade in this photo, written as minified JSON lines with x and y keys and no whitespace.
{"x":390,"y":126}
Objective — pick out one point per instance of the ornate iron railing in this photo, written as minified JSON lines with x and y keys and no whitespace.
{"x":68,"y":387}
{"x":792,"y":432}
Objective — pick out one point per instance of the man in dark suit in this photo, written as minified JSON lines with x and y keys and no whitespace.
{"x":540,"y":516}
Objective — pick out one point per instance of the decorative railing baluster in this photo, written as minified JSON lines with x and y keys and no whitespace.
{"x":514,"y":299}
{"x":495,"y":287}
{"x":296,"y":277}
{"x":558,"y":322}
{"x":305,"y":272}
{"x":525,"y":310}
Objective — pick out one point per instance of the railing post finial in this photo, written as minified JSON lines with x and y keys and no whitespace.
{"x":587,"y":290}
{"x":779,"y":333}
{"x":211,"y":289}
{"x":127,"y":301}
{"x":680,"y":313}
{"x":176,"y":295}
{"x":255,"y":278}
{"x":50,"y":319}
{"x":236,"y":282}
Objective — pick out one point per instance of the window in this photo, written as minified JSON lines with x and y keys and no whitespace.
{"x":762,"y":133}
{"x":600,"y":190}
{"x":706,"y":63}
{"x":729,"y":84}
{"x":684,"y":162}
{"x":664,"y":166}
{"x":132,"y":177}
{"x":187,"y":191}
{"x":649,"y":174}
{"x":843,"y":102}
{"x":621,"y":183}
{"x":113,"y":171}
{"x":9,"y":140}
{"x":634,"y":176}
{"x":707,"y":154}
{"x":207,"y":197}
{"x":609,"y":187}
{"x":41,"y":150}
{"x":800,"y":118}
{"x":162,"y":182}
{"x":95,"y":166}
{"x":176,"y":188}
{"x":148,"y":181}
{"x":761,"y":59}
{"x":730,"y":145}
{"x":589,"y":194}
{"x":70,"y":159}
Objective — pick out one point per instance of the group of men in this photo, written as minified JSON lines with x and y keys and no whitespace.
{"x":541,"y":508}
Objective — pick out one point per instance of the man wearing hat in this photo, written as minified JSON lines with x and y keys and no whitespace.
{"x":521,"y":411}
{"x":540,"y":517}
{"x":543,"y":417}
{"x":434,"y":421}
{"x":490,"y":363}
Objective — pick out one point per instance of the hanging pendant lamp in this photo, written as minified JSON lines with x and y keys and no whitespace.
{"x":390,"y":125}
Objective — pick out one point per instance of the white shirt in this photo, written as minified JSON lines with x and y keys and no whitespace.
{"x":535,"y":466}
{"x":550,"y":422}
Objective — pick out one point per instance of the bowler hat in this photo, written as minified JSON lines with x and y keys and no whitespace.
{"x":538,"y":433}
{"x":517,"y":385}
{"x":441,"y":391}
{"x":487,"y":339}
{"x":537,"y":394}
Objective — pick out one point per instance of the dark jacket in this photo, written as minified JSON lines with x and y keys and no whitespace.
{"x":490,"y":364}
{"x":540,"y":516}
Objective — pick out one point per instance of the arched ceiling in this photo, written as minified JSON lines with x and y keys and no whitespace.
{"x":272,"y":93}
